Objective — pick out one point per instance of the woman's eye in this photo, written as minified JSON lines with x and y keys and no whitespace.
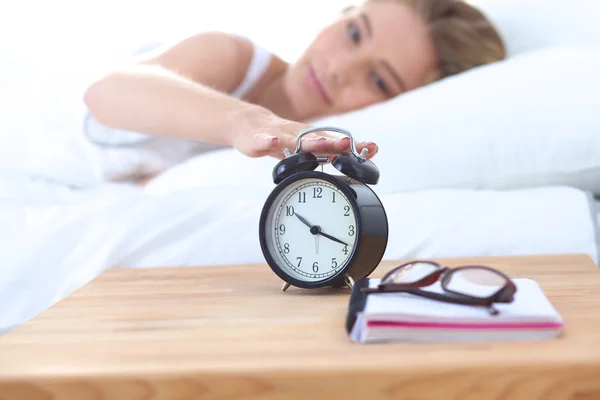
{"x":354,"y":33}
{"x":380,"y":84}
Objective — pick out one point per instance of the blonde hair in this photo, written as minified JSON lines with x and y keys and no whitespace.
{"x":463,"y":36}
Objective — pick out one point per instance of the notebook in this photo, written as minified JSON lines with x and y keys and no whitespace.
{"x":401,"y":317}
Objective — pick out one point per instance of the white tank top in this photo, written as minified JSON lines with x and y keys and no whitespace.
{"x":119,"y":155}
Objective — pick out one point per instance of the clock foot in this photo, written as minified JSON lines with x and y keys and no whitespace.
{"x":349,"y":281}
{"x":285,"y":286}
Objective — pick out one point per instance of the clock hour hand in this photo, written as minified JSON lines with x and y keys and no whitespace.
{"x":304,"y":221}
{"x":332,"y":238}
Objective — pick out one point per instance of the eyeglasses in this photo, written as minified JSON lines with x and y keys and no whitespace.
{"x":473,"y":285}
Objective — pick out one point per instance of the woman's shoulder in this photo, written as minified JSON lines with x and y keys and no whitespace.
{"x":255,"y":66}
{"x":226,"y":61}
{"x":217,"y":59}
{"x":264,"y":66}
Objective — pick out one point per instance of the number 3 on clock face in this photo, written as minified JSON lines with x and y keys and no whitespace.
{"x":309,"y":230}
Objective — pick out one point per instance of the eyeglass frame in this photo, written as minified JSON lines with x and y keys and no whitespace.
{"x":443,"y":273}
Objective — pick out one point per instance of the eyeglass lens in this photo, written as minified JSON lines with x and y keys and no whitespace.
{"x":412,"y":273}
{"x":475,"y":282}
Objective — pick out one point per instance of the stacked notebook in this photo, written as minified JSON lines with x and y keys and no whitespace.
{"x":401,"y":317}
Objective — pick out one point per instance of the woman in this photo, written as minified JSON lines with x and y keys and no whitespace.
{"x":222,"y":89}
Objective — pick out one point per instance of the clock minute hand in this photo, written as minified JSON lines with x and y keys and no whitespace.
{"x":332,"y":238}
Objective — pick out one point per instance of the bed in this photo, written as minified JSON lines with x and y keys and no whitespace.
{"x":511,"y":169}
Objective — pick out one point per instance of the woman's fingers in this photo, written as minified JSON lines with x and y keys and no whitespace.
{"x":274,"y":141}
{"x":370,"y":146}
{"x":318,"y":144}
{"x":310,"y":144}
{"x":342,"y":144}
{"x":261,"y":145}
{"x":323,"y":145}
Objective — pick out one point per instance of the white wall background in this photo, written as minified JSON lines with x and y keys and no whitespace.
{"x":84,"y":28}
{"x":79,"y":29}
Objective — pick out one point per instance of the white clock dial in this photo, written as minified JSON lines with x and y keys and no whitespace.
{"x":311,"y":230}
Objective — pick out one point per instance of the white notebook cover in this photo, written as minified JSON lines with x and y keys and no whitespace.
{"x":385,"y":317}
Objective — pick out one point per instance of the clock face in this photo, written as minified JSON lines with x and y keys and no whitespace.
{"x":311,"y":229}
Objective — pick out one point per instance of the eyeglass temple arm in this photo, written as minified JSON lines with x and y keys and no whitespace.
{"x":447,"y":297}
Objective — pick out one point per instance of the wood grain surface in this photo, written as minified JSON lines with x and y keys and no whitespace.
{"x":228,"y":332}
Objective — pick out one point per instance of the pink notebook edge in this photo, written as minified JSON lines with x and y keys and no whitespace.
{"x":435,"y":325}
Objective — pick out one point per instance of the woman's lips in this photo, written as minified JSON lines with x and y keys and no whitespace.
{"x":315,"y":83}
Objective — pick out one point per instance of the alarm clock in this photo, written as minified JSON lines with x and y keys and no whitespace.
{"x":322,"y":230}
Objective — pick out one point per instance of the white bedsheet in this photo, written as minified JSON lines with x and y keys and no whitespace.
{"x":55,"y":239}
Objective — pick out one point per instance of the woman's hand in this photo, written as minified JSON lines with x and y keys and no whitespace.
{"x":280,"y":134}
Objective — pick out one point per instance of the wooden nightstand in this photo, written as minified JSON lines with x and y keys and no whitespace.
{"x":229,"y":332}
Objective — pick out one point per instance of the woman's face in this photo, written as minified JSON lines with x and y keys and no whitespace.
{"x":372,"y":53}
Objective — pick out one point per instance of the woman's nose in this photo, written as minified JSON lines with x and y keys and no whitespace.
{"x":341,"y":68}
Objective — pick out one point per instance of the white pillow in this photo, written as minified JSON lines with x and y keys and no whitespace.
{"x":531,"y":120}
{"x":527,"y":25}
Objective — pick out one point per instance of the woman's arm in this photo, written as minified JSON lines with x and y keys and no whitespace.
{"x":182,"y":92}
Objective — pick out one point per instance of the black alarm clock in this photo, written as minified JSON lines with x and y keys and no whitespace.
{"x":317,"y":229}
